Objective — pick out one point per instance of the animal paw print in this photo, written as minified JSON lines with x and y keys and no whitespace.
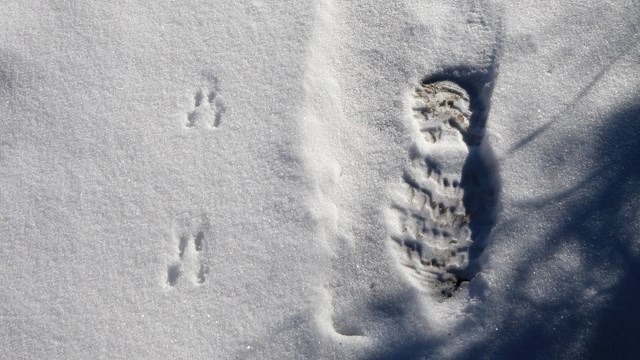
{"x":189,"y":264}
{"x":207,"y":110}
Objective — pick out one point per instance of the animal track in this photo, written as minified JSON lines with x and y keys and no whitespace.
{"x":189,"y":245}
{"x":207,"y":110}
{"x":434,"y":234}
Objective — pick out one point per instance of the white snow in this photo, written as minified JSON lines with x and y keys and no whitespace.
{"x":219,"y":180}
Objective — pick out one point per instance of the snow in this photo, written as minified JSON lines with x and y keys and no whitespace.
{"x":224,"y":180}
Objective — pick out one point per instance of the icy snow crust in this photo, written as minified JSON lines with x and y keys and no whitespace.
{"x":212,"y":180}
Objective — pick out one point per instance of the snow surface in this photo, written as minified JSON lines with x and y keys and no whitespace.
{"x":214,"y":180}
